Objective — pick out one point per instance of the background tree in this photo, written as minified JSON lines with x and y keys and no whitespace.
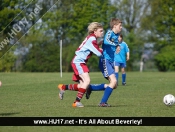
{"x":165,"y":59}
{"x":7,"y":61}
{"x":159,"y":25}
{"x":8,"y":11}
{"x":143,"y":22}
{"x":132,"y":13}
{"x":67,"y":21}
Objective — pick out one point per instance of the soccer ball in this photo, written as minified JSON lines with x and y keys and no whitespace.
{"x":169,"y":99}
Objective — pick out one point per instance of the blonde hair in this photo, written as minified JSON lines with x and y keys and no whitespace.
{"x":93,"y":27}
{"x":114,"y":21}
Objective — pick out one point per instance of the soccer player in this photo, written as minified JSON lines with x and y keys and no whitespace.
{"x":120,"y":59}
{"x":79,"y":66}
{"x":106,"y":62}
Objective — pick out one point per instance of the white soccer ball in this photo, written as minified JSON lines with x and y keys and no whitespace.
{"x":169,"y":99}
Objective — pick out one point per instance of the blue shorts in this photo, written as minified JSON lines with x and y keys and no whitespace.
{"x":122,"y":65}
{"x":106,"y":67}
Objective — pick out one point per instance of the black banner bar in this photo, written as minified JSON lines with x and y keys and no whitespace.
{"x":87,"y":121}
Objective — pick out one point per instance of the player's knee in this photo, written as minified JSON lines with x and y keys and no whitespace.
{"x":113,"y":84}
{"x":115,"y":87}
{"x":87,"y":81}
{"x":123,"y":70}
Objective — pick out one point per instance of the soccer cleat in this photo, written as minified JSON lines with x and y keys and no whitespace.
{"x":124,"y":83}
{"x":88,"y":93}
{"x":61,"y":92}
{"x":104,"y":105}
{"x":77,"y":104}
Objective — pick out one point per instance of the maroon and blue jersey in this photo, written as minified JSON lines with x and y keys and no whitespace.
{"x":86,"y":49}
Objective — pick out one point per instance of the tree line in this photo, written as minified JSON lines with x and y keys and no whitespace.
{"x":38,"y":50}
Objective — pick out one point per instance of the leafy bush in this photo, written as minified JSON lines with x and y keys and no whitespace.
{"x":165,"y":59}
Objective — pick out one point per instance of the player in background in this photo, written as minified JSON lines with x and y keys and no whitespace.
{"x":120,"y":59}
{"x":79,"y":62}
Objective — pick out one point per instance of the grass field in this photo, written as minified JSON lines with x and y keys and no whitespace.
{"x":36,"y":94}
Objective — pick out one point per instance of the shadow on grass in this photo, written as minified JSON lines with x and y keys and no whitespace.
{"x":108,"y":107}
{"x":8,"y":114}
{"x":120,"y":85}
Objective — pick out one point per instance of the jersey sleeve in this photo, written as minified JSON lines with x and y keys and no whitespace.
{"x":94,"y":47}
{"x":126,"y":48}
{"x":110,"y":40}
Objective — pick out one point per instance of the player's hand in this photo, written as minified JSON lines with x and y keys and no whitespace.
{"x":118,"y":49}
{"x":100,"y":43}
{"x":101,"y":49}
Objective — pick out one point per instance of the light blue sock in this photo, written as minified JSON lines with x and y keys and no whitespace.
{"x":96,"y":87}
{"x":123,"y":77}
{"x":106,"y":95}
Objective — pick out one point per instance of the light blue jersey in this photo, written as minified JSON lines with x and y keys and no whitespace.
{"x":121,"y":56}
{"x":109,"y":45}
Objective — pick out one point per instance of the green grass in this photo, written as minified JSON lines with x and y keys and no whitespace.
{"x":36,"y":94}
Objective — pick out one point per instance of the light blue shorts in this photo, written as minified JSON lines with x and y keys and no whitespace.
{"x":122,"y":65}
